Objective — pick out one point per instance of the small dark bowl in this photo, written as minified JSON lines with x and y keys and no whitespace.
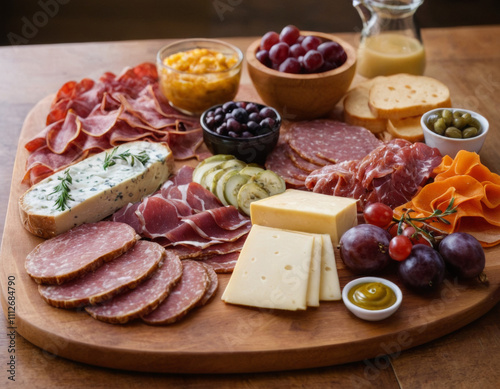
{"x":250,"y":150}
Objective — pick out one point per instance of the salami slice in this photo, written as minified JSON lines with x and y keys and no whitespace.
{"x":143,"y":299}
{"x":184,"y":297}
{"x":212,"y":287}
{"x":112,"y":278}
{"x":325,"y":141}
{"x":78,"y":251}
{"x":279,"y":162}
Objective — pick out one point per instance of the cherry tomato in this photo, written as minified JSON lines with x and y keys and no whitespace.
{"x":415,"y":237}
{"x":400,"y":247}
{"x":378,"y":214}
{"x":410,"y":233}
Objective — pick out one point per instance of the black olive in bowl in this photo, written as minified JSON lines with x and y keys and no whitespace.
{"x":247,"y":130}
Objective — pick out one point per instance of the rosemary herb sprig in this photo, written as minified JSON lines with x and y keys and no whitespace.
{"x":63,"y":190}
{"x":111,"y":158}
{"x":436,"y":216}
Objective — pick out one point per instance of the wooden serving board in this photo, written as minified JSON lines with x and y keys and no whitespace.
{"x":220,"y":338}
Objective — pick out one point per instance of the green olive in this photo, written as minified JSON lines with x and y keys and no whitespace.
{"x":431,"y":120}
{"x":467,"y":116}
{"x":447,"y":116}
{"x":473,"y":122}
{"x":457,"y":114}
{"x":453,"y":132}
{"x":459,"y":122}
{"x":439,"y":126}
{"x":469,"y":132}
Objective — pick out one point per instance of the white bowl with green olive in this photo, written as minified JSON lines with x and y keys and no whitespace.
{"x":453,"y":129}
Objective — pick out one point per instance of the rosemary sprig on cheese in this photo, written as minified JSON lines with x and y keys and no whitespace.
{"x":110,"y":159}
{"x":63,"y":190}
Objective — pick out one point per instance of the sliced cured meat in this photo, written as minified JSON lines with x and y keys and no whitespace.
{"x":112,"y":278}
{"x":279,"y":162}
{"x":213,"y":284}
{"x":391,"y":174}
{"x":184,"y":297}
{"x":195,"y":195}
{"x":227,"y":218}
{"x":301,"y":163}
{"x":105,"y":113}
{"x":127,"y":215}
{"x":212,"y":231}
{"x":190,"y":252}
{"x":158,"y":216}
{"x":143,"y":299}
{"x":222,"y":263}
{"x":183,"y":176}
{"x":79,"y":251}
{"x":327,"y":141}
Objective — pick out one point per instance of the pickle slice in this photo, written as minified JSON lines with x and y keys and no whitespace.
{"x":207,"y":164}
{"x":208,"y":177}
{"x":251,"y":170}
{"x":236,"y":163}
{"x":249,"y":193}
{"x":232,"y":187}
{"x":217,"y":184}
{"x":270,"y":182}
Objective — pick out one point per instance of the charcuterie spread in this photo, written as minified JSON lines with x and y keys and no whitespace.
{"x":139,"y":220}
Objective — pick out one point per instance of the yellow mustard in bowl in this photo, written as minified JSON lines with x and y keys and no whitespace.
{"x":372,"y":295}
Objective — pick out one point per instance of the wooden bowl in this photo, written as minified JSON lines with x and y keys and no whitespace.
{"x":302,"y":96}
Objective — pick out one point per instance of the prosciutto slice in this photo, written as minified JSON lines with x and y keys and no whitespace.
{"x":391,"y":174}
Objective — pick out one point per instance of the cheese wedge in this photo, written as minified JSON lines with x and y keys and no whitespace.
{"x":95,"y":191}
{"x":272,"y":270}
{"x":304,"y":211}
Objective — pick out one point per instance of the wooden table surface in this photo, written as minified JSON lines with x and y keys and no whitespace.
{"x":467,"y":59}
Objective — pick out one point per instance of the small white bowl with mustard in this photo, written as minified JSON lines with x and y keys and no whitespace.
{"x":372,"y":298}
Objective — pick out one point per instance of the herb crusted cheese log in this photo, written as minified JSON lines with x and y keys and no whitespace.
{"x":95,"y":188}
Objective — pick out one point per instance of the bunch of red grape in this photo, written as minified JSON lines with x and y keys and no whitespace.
{"x":291,"y":52}
{"x":368,"y":248}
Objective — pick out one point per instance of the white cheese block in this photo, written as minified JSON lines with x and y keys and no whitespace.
{"x":313,"y":290}
{"x":305,"y":211}
{"x":95,"y":192}
{"x":272,"y":270}
{"x":329,"y":284}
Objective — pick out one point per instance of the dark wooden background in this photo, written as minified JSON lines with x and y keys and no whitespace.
{"x":58,"y":21}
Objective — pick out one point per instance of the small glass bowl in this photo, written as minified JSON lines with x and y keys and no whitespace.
{"x":250,"y":150}
{"x":193,"y":92}
{"x":451,"y":146}
{"x":368,"y":314}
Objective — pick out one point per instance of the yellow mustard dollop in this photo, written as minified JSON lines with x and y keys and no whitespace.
{"x":372,"y":295}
